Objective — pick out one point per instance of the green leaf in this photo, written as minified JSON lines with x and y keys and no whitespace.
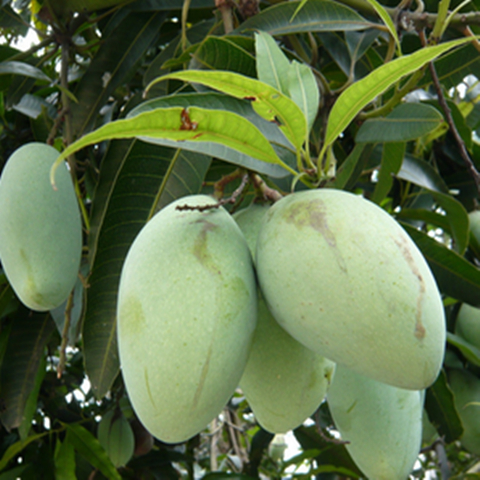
{"x":455,"y":276}
{"x":242,"y":108}
{"x":268,"y":102}
{"x":352,"y":167}
{"x":25,"y":351}
{"x":64,"y":459}
{"x":118,"y":56}
{"x":422,"y":174}
{"x":392,"y":159}
{"x":14,"y":473}
{"x":31,"y":403}
{"x":440,"y":407}
{"x":89,"y":447}
{"x":23,"y":69}
{"x":387,"y":20}
{"x":272,"y":64}
{"x":233,"y":53}
{"x":136,"y":180}
{"x":303,"y":90}
{"x":361,"y":93}
{"x":17,"y":447}
{"x":469,"y":351}
{"x":213,"y":126}
{"x":315,"y":16}
{"x":406,"y":122}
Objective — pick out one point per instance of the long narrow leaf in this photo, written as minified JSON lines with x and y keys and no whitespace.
{"x":267,"y":101}
{"x":361,"y":93}
{"x":24,"y":69}
{"x":204,"y":125}
{"x":89,"y":447}
{"x":383,"y":14}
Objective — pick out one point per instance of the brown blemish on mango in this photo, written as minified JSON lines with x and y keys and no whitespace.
{"x":313,"y":214}
{"x":200,"y":246}
{"x":203,"y":377}
{"x":403,"y":246}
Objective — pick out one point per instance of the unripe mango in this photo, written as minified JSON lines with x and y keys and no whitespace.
{"x":468,"y":324}
{"x":474,"y":218}
{"x":40,"y":228}
{"x":466,"y":388}
{"x":283,"y":382}
{"x":116,"y":436}
{"x":383,"y":424}
{"x":187,"y":309}
{"x":345,"y":280}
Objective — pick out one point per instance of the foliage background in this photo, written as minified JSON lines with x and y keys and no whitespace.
{"x":399,"y":147}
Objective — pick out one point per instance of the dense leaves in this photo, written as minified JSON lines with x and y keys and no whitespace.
{"x":152,"y":100}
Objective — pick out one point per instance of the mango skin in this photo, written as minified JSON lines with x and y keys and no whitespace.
{"x":40,"y":228}
{"x":186,"y":312}
{"x":383,"y":424}
{"x":468,"y":324}
{"x":345,"y":280}
{"x":466,"y":388}
{"x":284,"y":382}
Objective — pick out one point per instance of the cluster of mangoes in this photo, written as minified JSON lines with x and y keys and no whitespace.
{"x":322,"y":293}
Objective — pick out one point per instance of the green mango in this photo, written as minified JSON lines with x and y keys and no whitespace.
{"x":40,"y":228}
{"x":283,"y":382}
{"x":345,"y":280}
{"x":466,"y":388}
{"x":467,"y":325}
{"x":186,"y":312}
{"x":116,"y":437}
{"x":382,"y":424}
{"x":474,"y":218}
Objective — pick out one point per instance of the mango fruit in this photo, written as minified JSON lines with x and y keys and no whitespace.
{"x":383,"y":424}
{"x":40,"y":228}
{"x":345,"y":280}
{"x":116,"y":437}
{"x":186,"y":312}
{"x":283,"y":382}
{"x":467,"y":325}
{"x":466,"y":388}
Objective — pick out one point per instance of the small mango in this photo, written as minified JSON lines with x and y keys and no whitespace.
{"x":40,"y":228}
{"x":186,"y":312}
{"x":382,"y":424}
{"x":116,"y":436}
{"x":283,"y":382}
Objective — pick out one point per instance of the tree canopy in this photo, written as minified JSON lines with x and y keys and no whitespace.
{"x":149,"y":101}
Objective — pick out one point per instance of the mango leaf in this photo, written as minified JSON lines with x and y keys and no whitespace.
{"x":314,"y":16}
{"x":441,"y":410}
{"x":361,"y":93}
{"x":23,"y":69}
{"x":243,"y":108}
{"x":455,"y":276}
{"x":352,"y":167}
{"x":387,"y":20}
{"x":291,"y":78}
{"x":89,"y":447}
{"x":422,"y":174}
{"x":118,"y":56}
{"x":198,"y":124}
{"x":272,"y":64}
{"x":25,"y":351}
{"x":31,"y":403}
{"x":14,"y":473}
{"x":392,"y":158}
{"x":406,"y":122}
{"x":268,"y":102}
{"x":64,"y":459}
{"x":303,"y":90}
{"x":233,"y":53}
{"x":136,"y":179}
{"x":18,"y":446}
{"x":469,"y":351}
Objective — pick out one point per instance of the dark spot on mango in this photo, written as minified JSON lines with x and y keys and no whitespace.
{"x":200,"y":246}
